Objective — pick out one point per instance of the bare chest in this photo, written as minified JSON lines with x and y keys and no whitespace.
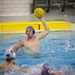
{"x":31,"y":43}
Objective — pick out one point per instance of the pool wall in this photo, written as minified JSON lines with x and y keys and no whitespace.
{"x":17,"y":27}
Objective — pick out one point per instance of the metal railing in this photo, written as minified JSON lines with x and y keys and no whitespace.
{"x":49,"y":3}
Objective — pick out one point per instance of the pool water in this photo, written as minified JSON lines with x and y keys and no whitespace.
{"x":57,"y":49}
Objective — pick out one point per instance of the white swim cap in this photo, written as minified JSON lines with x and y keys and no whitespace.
{"x":9,"y":53}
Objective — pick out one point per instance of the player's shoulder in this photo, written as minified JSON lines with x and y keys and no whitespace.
{"x":22,"y":39}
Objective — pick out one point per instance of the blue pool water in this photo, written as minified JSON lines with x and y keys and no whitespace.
{"x":57,"y":49}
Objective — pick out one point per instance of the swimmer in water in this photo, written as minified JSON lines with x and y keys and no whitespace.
{"x":47,"y":70}
{"x":31,"y":42}
{"x":9,"y":64}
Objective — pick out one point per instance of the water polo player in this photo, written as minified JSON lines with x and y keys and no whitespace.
{"x":8,"y":64}
{"x":31,"y":43}
{"x":48,"y":70}
{"x":9,"y":60}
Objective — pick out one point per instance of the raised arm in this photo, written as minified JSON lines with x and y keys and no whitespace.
{"x":44,"y":33}
{"x":45,"y":24}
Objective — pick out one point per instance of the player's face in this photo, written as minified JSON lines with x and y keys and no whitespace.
{"x":29,"y":32}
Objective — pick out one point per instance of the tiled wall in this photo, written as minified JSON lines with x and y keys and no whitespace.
{"x":15,"y":7}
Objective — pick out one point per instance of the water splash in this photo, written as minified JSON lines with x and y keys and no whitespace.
{"x":69,"y":45}
{"x":67,"y":70}
{"x":37,"y":69}
{"x":64,"y":14}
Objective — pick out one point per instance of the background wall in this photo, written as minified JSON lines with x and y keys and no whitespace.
{"x":14,"y":11}
{"x":15,"y":7}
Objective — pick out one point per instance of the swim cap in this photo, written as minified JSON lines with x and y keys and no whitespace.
{"x":9,"y":53}
{"x":30,"y":27}
{"x":45,"y":67}
{"x":47,"y":70}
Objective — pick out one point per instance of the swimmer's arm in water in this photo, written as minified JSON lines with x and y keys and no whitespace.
{"x":18,"y":45}
{"x":57,"y":72}
{"x":23,"y":70}
{"x":16,"y":68}
{"x":44,"y":33}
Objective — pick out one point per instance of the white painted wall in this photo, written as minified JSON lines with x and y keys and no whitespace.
{"x":15,"y":7}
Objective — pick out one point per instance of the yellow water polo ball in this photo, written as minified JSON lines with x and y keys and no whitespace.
{"x":39,"y":12}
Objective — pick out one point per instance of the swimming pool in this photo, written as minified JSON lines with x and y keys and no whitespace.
{"x":57,"y":49}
